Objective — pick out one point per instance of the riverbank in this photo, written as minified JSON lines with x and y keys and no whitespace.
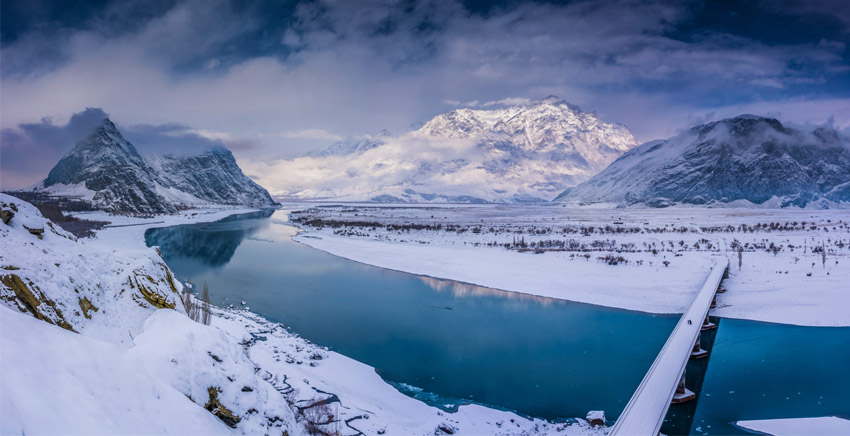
{"x":306,"y":374}
{"x":643,"y":260}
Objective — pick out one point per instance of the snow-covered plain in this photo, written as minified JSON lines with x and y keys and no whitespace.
{"x":569,"y":253}
{"x":130,"y":368}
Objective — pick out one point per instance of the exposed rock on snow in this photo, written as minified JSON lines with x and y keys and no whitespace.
{"x":515,"y":154}
{"x":106,"y":170}
{"x":53,"y":276}
{"x":596,"y":418}
{"x":746,"y":159}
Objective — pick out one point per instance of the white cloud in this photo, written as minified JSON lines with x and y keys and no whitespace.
{"x":509,"y":101}
{"x":318,"y":134}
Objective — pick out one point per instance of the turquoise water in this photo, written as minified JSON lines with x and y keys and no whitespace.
{"x":442,"y":341}
{"x":768,"y":371}
{"x":450,"y":343}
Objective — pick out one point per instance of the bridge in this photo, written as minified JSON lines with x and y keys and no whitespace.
{"x":664,"y":383}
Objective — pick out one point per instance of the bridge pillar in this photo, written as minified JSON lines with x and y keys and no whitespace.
{"x":721,"y":291}
{"x":707,"y":325}
{"x":682,"y":394}
{"x":713,"y":302}
{"x":697,"y":352}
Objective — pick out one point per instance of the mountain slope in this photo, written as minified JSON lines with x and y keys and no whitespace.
{"x":743,"y":158}
{"x":106,"y":163}
{"x":519,"y":153}
{"x":107,"y":170}
{"x":212,"y":176}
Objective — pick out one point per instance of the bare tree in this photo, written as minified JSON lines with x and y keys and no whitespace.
{"x":205,"y":306}
{"x":198,"y":310}
{"x":740,"y":257}
{"x":823,"y":253}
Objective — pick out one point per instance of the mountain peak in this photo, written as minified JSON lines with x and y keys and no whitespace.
{"x":552,"y":99}
{"x":106,"y":126}
{"x":117,"y":178}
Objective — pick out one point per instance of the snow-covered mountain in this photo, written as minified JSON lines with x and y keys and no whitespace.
{"x":749,"y":158}
{"x":520,"y":153}
{"x":107,"y":170}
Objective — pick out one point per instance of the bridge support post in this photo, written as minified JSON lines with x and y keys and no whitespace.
{"x":721,"y":291}
{"x":713,"y":302}
{"x":697,"y":352}
{"x":682,"y":394}
{"x":708,"y":325}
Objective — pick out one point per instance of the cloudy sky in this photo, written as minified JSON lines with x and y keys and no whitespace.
{"x":272,"y":80}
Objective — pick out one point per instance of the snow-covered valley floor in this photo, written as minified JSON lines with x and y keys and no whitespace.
{"x":794,"y":264}
{"x":122,"y":357}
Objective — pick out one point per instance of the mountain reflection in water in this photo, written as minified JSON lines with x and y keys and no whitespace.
{"x":210,"y":244}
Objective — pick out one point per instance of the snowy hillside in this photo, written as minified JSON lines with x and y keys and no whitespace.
{"x":750,"y":158}
{"x":126,"y":351}
{"x":519,"y":153}
{"x":106,"y":170}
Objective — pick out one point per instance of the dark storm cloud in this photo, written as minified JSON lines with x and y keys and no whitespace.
{"x":272,"y":79}
{"x":33,"y":148}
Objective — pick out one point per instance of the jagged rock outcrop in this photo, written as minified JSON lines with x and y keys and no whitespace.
{"x":82,"y":287}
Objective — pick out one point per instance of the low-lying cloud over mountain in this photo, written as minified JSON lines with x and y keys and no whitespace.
{"x":31,"y":149}
{"x":107,"y":171}
{"x":526,"y":152}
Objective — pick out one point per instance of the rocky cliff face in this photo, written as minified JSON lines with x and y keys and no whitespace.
{"x":750,"y":158}
{"x":107,"y":164}
{"x":106,"y":170}
{"x":212,"y":176}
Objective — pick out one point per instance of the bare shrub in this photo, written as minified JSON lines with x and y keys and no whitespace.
{"x":320,"y":418}
{"x":198,"y":310}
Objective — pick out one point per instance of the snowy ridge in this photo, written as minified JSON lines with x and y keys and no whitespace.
{"x":746,"y":160}
{"x":106,"y":170}
{"x":514,"y":154}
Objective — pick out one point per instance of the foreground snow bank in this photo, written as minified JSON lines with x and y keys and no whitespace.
{"x":822,"y":426}
{"x":105,"y":291}
{"x":57,"y":382}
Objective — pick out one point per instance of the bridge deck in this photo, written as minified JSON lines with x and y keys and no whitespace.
{"x":646,"y":410}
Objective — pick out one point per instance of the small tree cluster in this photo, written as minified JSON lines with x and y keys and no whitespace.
{"x":198,"y":310}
